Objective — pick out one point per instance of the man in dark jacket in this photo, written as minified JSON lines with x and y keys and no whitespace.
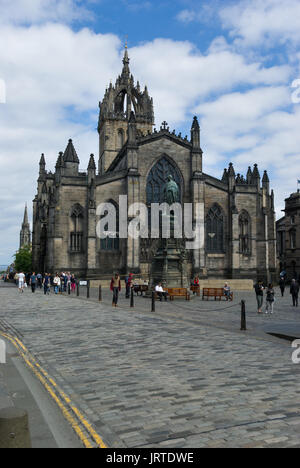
{"x":295,"y":292}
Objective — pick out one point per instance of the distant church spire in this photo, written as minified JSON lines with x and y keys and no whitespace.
{"x":25,"y":234}
{"x":25,"y":220}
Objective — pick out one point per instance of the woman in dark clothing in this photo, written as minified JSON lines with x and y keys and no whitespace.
{"x":295,"y":292}
{"x":115,"y":287}
{"x":46,"y":283}
{"x":282,"y":285}
{"x":270,"y":299}
{"x":73,"y":283}
{"x":259,"y":291}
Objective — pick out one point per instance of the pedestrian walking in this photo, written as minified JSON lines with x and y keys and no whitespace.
{"x":33,"y":282}
{"x":57,"y":283}
{"x":259,"y":291}
{"x":69,"y":280}
{"x":39,"y":280}
{"x":270,"y":299}
{"x":16,"y":279}
{"x":21,"y":280}
{"x":27,"y":278}
{"x":46,"y":283}
{"x":73,"y":283}
{"x":62,"y":282}
{"x":115,"y":287}
{"x":128,"y":284}
{"x":295,"y":292}
{"x":282,"y":285}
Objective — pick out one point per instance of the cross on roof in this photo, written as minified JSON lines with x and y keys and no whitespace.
{"x":164,"y":125}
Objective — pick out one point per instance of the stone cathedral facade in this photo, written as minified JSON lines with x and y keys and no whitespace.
{"x":237,"y":212}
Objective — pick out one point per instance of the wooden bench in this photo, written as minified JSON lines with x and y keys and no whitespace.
{"x":195,"y":289}
{"x":178,"y":292}
{"x":216,"y":293}
{"x":140,"y":288}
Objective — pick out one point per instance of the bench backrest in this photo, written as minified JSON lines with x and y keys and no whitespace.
{"x":182,"y":291}
{"x":213,"y":291}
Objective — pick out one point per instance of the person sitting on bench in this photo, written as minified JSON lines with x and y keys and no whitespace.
{"x":160,"y":292}
{"x":196,"y":284}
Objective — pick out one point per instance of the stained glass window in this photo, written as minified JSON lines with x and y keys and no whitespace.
{"x":76,"y":234}
{"x":215,"y":230}
{"x":245,"y":233}
{"x":111,"y":243}
{"x":157,"y":179}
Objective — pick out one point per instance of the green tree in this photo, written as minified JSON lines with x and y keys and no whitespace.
{"x":23,"y":259}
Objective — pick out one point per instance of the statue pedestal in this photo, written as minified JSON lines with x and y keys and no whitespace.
{"x":169,"y":265}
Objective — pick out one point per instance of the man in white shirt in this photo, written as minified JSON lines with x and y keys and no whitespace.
{"x":21,"y":278}
{"x":160,"y":292}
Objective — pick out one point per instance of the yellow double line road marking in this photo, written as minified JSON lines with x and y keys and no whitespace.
{"x":60,"y":400}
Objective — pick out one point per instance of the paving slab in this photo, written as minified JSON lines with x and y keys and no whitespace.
{"x":134,"y":373}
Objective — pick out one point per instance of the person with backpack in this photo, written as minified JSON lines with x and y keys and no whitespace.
{"x":39,"y":280}
{"x":270,"y":299}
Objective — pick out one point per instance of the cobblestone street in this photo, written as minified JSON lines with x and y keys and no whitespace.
{"x":184,"y":376}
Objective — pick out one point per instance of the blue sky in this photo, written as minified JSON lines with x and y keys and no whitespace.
{"x":230,"y":63}
{"x":144,"y":21}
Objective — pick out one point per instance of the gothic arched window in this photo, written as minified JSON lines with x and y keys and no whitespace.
{"x":157,"y":179}
{"x":215,"y":230}
{"x":111,"y":243}
{"x":76,"y":231}
{"x":245,"y":233}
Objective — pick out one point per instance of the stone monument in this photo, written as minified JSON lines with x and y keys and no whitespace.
{"x":169,"y":265}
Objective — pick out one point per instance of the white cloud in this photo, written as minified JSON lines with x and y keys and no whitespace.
{"x":187,"y":16}
{"x":39,"y":11}
{"x":179,"y":76}
{"x":263,"y":22}
{"x":254,"y":127}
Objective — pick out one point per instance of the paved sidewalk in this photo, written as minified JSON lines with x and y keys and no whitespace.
{"x":5,"y":399}
{"x":183,"y":377}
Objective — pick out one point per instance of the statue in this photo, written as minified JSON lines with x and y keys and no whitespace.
{"x":171,"y":191}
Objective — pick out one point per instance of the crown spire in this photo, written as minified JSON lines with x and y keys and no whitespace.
{"x":126,"y":60}
{"x":25,"y":220}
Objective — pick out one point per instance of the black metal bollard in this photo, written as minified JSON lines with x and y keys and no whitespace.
{"x":69,"y":289}
{"x":100,"y":293}
{"x":88,"y":290}
{"x":153,"y":302}
{"x":131,"y":299}
{"x":243,"y":316}
{"x":78,"y":289}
